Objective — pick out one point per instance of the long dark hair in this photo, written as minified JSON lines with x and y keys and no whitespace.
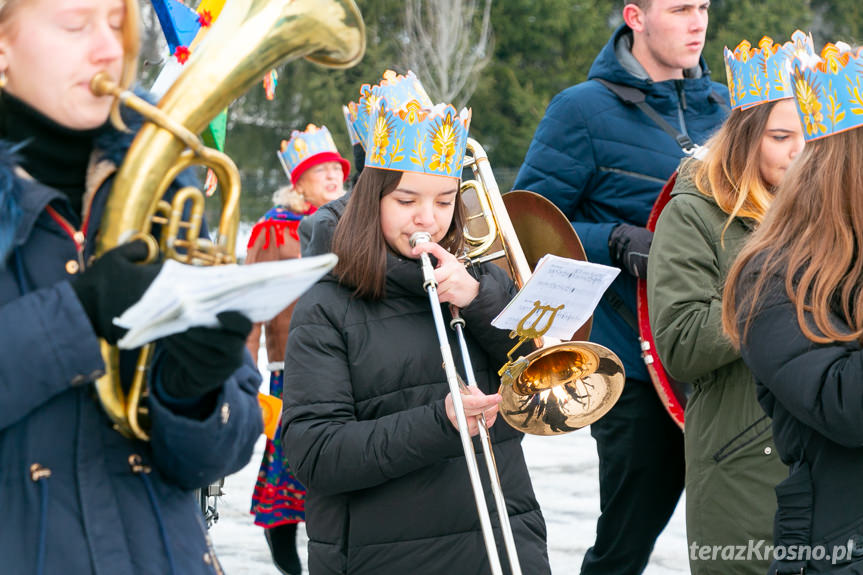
{"x":812,"y":236}
{"x":359,"y":240}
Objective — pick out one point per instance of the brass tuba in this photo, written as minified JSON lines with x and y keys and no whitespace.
{"x":249,"y":38}
{"x":561,"y":386}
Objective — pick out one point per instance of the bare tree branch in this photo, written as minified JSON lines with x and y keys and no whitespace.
{"x":448,"y":43}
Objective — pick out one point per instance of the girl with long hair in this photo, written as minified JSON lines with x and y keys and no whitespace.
{"x":368,"y":423}
{"x":793,"y":304}
{"x":717,"y":201}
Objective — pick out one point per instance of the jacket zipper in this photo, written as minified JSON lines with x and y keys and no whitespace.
{"x":681,"y":106}
{"x":39,"y":474}
{"x":78,"y":236}
{"x":631,"y":174}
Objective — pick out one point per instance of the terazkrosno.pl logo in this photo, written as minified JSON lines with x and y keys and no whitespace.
{"x":760,"y":551}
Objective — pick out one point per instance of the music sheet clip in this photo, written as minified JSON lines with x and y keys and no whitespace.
{"x":576,"y":285}
{"x":184,"y":296}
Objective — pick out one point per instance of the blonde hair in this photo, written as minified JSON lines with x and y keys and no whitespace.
{"x":131,"y":46}
{"x":290,"y":198}
{"x":730,"y":172}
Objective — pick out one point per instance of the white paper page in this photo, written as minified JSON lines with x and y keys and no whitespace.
{"x":184,"y":296}
{"x":576,"y":285}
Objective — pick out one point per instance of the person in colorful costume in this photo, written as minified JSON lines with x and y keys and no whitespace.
{"x":317,"y":173}
{"x":793,"y":303}
{"x":368,"y":423}
{"x":76,"y":495}
{"x":719,"y":198}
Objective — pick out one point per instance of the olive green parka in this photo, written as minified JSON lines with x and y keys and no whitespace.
{"x":732,"y":465}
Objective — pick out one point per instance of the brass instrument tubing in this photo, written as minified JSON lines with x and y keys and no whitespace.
{"x":457,"y":324}
{"x":430,"y":285}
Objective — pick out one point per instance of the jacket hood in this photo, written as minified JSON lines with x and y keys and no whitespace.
{"x":608,"y":65}
{"x":685,"y":184}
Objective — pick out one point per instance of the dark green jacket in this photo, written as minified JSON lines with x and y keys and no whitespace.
{"x":731,"y":462}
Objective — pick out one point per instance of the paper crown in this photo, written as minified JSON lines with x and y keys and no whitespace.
{"x":349,"y":122}
{"x":763,"y":74}
{"x":307,"y":149}
{"x":413,"y":138}
{"x":396,"y":89}
{"x":829,"y":91}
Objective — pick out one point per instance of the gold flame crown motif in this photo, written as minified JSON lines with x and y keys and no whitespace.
{"x":763,"y":74}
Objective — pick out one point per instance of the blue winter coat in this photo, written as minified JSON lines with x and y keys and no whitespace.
{"x":69,"y":499}
{"x":603,"y":162}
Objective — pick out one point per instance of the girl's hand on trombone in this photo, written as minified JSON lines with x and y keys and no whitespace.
{"x":475,"y":402}
{"x":455,"y":285}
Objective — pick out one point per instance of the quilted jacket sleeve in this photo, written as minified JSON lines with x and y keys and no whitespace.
{"x":193,"y":452}
{"x":821,"y":385}
{"x":684,"y":291}
{"x":46,"y":335}
{"x":321,"y":435}
{"x":495,"y":291}
{"x":559,"y":165}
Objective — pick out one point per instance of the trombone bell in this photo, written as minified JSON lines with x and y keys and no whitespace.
{"x":560,"y":388}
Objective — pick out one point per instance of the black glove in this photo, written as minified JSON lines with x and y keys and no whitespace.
{"x":112,"y":284}
{"x":628,"y":246}
{"x":200,"y":359}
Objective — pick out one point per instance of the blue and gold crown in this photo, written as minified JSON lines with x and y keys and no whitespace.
{"x":396,"y":89}
{"x":309,"y":148}
{"x":763,"y":74}
{"x":829,"y":91}
{"x":349,"y":123}
{"x":413,"y":138}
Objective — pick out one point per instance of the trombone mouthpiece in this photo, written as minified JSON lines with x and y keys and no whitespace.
{"x":419,"y":238}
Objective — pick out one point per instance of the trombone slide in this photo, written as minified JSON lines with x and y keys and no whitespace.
{"x":456,"y":388}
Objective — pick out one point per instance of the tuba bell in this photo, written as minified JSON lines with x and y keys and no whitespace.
{"x":562,"y":385}
{"x":249,"y":38}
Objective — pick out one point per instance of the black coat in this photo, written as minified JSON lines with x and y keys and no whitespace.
{"x":366,"y":432}
{"x":814,"y":393}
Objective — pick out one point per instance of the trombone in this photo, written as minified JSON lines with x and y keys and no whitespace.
{"x":456,"y":388}
{"x":562,"y":385}
{"x":559,"y":387}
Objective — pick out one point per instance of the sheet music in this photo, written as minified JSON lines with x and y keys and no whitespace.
{"x":577,"y":285}
{"x":184,"y":296}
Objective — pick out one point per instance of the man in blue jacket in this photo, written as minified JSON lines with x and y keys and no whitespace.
{"x":603,"y":161}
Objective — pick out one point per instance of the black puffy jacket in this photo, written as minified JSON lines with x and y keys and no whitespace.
{"x":365,"y":430}
{"x":814,"y":393}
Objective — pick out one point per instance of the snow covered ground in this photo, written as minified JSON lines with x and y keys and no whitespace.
{"x":564,"y":473}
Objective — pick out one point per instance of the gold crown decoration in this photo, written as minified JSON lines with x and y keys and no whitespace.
{"x":763,"y":74}
{"x":395,"y":88}
{"x":829,"y":91}
{"x":413,"y":138}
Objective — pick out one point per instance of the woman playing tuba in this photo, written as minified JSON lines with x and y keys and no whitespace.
{"x":78,"y":497}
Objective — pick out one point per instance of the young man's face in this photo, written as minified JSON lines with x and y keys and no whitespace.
{"x":669,"y":36}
